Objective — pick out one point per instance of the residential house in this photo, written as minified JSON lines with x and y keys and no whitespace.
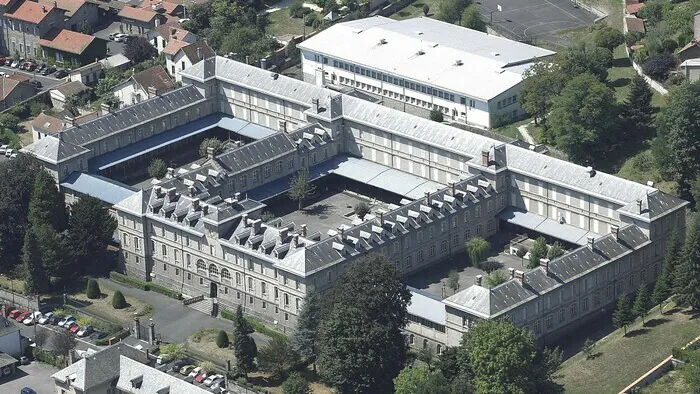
{"x":633,"y":8}
{"x":71,"y":48}
{"x":141,"y":86}
{"x":5,"y":6}
{"x":139,"y":21}
{"x":690,"y":51}
{"x":118,"y":61}
{"x":180,"y":55}
{"x":690,"y":69}
{"x":87,"y":74}
{"x":634,"y":24}
{"x":60,"y":93}
{"x":80,"y":15}
{"x":26,"y":24}
{"x":44,"y":124}
{"x":164,"y":7}
{"x":161,"y":36}
{"x":13,"y":91}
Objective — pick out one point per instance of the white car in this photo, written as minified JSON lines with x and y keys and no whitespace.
{"x":218,"y":384}
{"x":3,"y":149}
{"x":120,"y":37}
{"x":66,"y":321}
{"x":45,"y":319}
{"x":33,"y":318}
{"x":208,"y":381}
{"x":195,"y":372}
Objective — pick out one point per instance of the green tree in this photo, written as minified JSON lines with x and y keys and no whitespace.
{"x":608,"y":37}
{"x":300,"y":188}
{"x":244,"y":346}
{"x":450,"y":10}
{"x":222,"y":339}
{"x":436,"y":116}
{"x":587,"y":348}
{"x":641,"y":302}
{"x":677,"y":145}
{"x":654,"y":11}
{"x":36,"y":281}
{"x":305,"y":338}
{"x":471,"y":19}
{"x":539,"y":251}
{"x":495,"y":278}
{"x":214,"y":143}
{"x":172,"y":351}
{"x":118,"y":300}
{"x":663,"y":287}
{"x":426,"y":9}
{"x":688,"y":275}
{"x":296,"y":384}
{"x":477,"y":249}
{"x":541,"y":85}
{"x":361,"y":209}
{"x":637,"y":111}
{"x":63,"y":342}
{"x":583,"y":120}
{"x":47,"y":205}
{"x":331,"y":6}
{"x":453,"y":280}
{"x":91,"y":228}
{"x":157,"y":169}
{"x":506,"y":359}
{"x":622,"y":317}
{"x":278,"y":357}
{"x":58,"y":261}
{"x":368,"y":310}
{"x":93,"y":289}
{"x":556,"y":250}
{"x":580,"y":59}
{"x":420,"y":380}
{"x":138,"y":49}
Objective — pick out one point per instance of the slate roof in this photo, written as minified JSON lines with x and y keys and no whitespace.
{"x":490,"y":303}
{"x":52,"y":150}
{"x":7,"y":86}
{"x":105,"y":189}
{"x":65,"y":40}
{"x":70,"y":6}
{"x":152,"y":381}
{"x":256,"y":153}
{"x":71,"y":88}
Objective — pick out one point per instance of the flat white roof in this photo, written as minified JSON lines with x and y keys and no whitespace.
{"x":490,"y":65}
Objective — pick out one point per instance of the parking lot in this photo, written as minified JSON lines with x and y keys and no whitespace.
{"x":47,"y":82}
{"x":35,"y":375}
{"x":113,"y":48}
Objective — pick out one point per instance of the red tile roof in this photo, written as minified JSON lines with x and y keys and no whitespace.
{"x":29,"y":11}
{"x":155,"y":77}
{"x":634,"y":8}
{"x":66,"y":41}
{"x":46,"y":123}
{"x":167,"y":6}
{"x":198,"y":51}
{"x":174,"y":46}
{"x":138,"y":14}
{"x":635,"y":24}
{"x":7,"y":85}
{"x":628,"y":2}
{"x":172,"y":30}
{"x":70,"y":6}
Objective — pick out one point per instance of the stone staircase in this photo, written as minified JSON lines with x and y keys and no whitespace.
{"x":204,"y":305}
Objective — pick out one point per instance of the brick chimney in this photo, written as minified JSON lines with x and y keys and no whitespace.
{"x":303,"y":230}
{"x":210,"y":152}
{"x":485,"y":158}
{"x":511,"y":273}
{"x":170,"y":173}
{"x":591,"y":242}
{"x":615,"y":230}
{"x":427,"y":199}
{"x":152,"y":91}
{"x":520,"y":275}
{"x":544,"y":263}
{"x":639,"y":206}
{"x":477,"y":280}
{"x":244,"y":219}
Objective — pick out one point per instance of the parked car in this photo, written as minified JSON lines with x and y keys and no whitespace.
{"x":60,"y":73}
{"x":179,"y":364}
{"x":23,"y":316}
{"x":3,"y":149}
{"x":66,"y":320}
{"x":14,"y":313}
{"x":27,"y":390}
{"x":120,"y":37}
{"x":15,"y":64}
{"x":218,"y":384}
{"x":186,"y":369}
{"x":8,"y":61}
{"x":29,"y":66}
{"x":32,"y":319}
{"x":208,"y":381}
{"x":86,"y":331}
{"x":201,"y":377}
{"x":3,"y":59}
{"x":24,"y":360}
{"x":48,"y":70}
{"x":98,"y":335}
{"x":9,"y":152}
{"x":40,"y":67}
{"x":36,"y":84}
{"x":74,"y":328}
{"x":45,"y":319}
{"x":195,"y":372}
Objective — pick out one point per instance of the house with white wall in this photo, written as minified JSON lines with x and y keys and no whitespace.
{"x":180,"y":55}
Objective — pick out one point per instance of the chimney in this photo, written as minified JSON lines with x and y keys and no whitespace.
{"x":43,"y":9}
{"x":427,"y":199}
{"x":105,"y":108}
{"x":195,"y":203}
{"x":544,"y":263}
{"x":615,"y":230}
{"x":303,"y":230}
{"x":237,"y":196}
{"x":244,"y":219}
{"x":282,"y":125}
{"x":191,"y":190}
{"x":485,"y":158}
{"x":152,"y":91}
{"x":70,"y":120}
{"x":341,"y":233}
{"x":283,"y":233}
{"x":380,"y":219}
{"x":210,"y":152}
{"x":452,"y":186}
{"x":199,"y":53}
{"x":170,"y":173}
{"x":477,"y":280}
{"x":639,"y":205}
{"x":295,"y":240}
{"x":263,"y":64}
{"x":247,"y":59}
{"x":171,"y":192}
{"x":205,"y":209}
{"x":511,"y":272}
{"x":590,"y":171}
{"x":156,"y":190}
{"x":520,"y":275}
{"x":315,"y":102}
{"x":591,"y":242}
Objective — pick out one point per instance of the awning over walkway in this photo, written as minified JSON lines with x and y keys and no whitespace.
{"x":105,"y":189}
{"x":246,"y":129}
{"x":546,"y":226}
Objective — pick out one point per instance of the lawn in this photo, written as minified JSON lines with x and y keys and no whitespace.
{"x":415,"y":9}
{"x":621,"y":360}
{"x":15,"y":285}
{"x":102,"y":307}
{"x":282,"y":23}
{"x":511,"y":130}
{"x":203,"y":344}
{"x":671,"y":383}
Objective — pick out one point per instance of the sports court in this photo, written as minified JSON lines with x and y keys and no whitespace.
{"x":534,"y":20}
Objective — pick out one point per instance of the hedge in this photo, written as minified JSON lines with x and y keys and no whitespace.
{"x":119,"y":335}
{"x":48,"y":357}
{"x":147,"y":286}
{"x":255,"y":323}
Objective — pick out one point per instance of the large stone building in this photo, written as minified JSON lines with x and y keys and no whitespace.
{"x":200,"y":230}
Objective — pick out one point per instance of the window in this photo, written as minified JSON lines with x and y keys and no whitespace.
{"x":584,"y":304}
{"x":278,"y":167}
{"x":263,"y":287}
{"x":244,"y":180}
{"x":251,"y":284}
{"x":225,"y":275}
{"x":431,"y":253}
{"x":562,"y":315}
{"x":548,"y":322}
{"x":164,"y":250}
{"x":238,"y":278}
{"x":290,"y":164}
{"x":409,"y":261}
{"x":538,"y":327}
{"x":443,"y":246}
{"x":213,"y":270}
{"x":286,"y":300}
{"x":425,"y":344}
{"x":572,"y":310}
{"x":201,"y":266}
{"x":419,"y":255}
{"x":266,"y":172}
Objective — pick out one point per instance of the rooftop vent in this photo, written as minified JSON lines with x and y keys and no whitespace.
{"x":590,"y":171}
{"x":274,"y":76}
{"x":382,"y":41}
{"x":420,"y":52}
{"x":420,"y":33}
{"x":458,"y":62}
{"x":650,"y":183}
{"x":495,"y":54}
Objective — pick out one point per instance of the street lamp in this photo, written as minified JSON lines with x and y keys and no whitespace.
{"x":498,"y":9}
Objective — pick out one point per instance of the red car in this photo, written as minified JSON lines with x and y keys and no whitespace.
{"x":29,"y":66}
{"x":200,"y":378}
{"x":74,"y":328}
{"x":14,"y":313}
{"x":23,"y":316}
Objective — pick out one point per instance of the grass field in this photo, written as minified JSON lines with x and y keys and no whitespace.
{"x":282,"y":23}
{"x":102,"y":307}
{"x":511,"y":130}
{"x":671,"y":383}
{"x":620,"y":360}
{"x":415,"y":9}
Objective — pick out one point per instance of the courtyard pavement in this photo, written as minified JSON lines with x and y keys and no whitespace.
{"x":35,"y":375}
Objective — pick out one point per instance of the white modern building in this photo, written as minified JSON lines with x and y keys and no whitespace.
{"x":417,"y":65}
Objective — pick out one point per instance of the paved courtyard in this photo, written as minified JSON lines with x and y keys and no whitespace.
{"x":35,"y":375}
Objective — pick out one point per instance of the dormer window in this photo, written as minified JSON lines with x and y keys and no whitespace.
{"x":137,"y":382}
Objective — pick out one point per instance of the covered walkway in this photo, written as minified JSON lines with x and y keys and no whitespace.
{"x":107,"y":190}
{"x":543,"y":225}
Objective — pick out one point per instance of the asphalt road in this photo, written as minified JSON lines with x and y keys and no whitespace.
{"x":113,"y":48}
{"x":35,"y":375}
{"x":46,"y":81}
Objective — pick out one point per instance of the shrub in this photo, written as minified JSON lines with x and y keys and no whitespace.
{"x":426,"y":9}
{"x":632,"y":37}
{"x":157,"y":169}
{"x":128,"y":281}
{"x":93,"y":289}
{"x":309,"y":19}
{"x":255,"y":323}
{"x":436,"y":115}
{"x":222,"y":339}
{"x":165,"y":291}
{"x":118,"y":301}
{"x":295,"y":10}
{"x":609,"y":38}
{"x":361,"y":209}
{"x":116,"y":337}
{"x":659,"y":66}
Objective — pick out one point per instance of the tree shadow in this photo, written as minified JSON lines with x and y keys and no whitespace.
{"x":316,"y":210}
{"x":618,"y":83}
{"x":637,"y":332}
{"x":595,"y":355}
{"x":672,"y":311}
{"x":656,"y":322}
{"x":418,"y":5}
{"x":404,"y":14}
{"x":621,"y":62}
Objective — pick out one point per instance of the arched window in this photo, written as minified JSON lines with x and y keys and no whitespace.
{"x":439,"y":349}
{"x":213,"y":270}
{"x":410,"y":339}
{"x":225,"y":275}
{"x":201,"y":266}
{"x":425,"y":344}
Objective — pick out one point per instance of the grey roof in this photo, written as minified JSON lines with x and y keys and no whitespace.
{"x":427,"y":306}
{"x":103,"y":188}
{"x":545,"y":225}
{"x":6,"y":359}
{"x":256,"y":153}
{"x":52,"y":150}
{"x":136,"y":203}
{"x":489,"y":303}
{"x":151,"y":380}
{"x":7,"y":329}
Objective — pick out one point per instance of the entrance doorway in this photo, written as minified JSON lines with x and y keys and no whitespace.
{"x":213,"y":291}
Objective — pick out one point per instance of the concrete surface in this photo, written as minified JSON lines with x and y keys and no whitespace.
{"x":35,"y":375}
{"x":113,"y":48}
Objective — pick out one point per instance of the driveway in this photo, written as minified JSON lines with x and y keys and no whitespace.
{"x":113,"y":48}
{"x":35,"y":375}
{"x":46,"y":81}
{"x":174,"y":321}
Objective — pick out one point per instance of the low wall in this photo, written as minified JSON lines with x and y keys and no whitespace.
{"x":600,"y":14}
{"x":654,"y":84}
{"x":18,"y":300}
{"x":392,"y":8}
